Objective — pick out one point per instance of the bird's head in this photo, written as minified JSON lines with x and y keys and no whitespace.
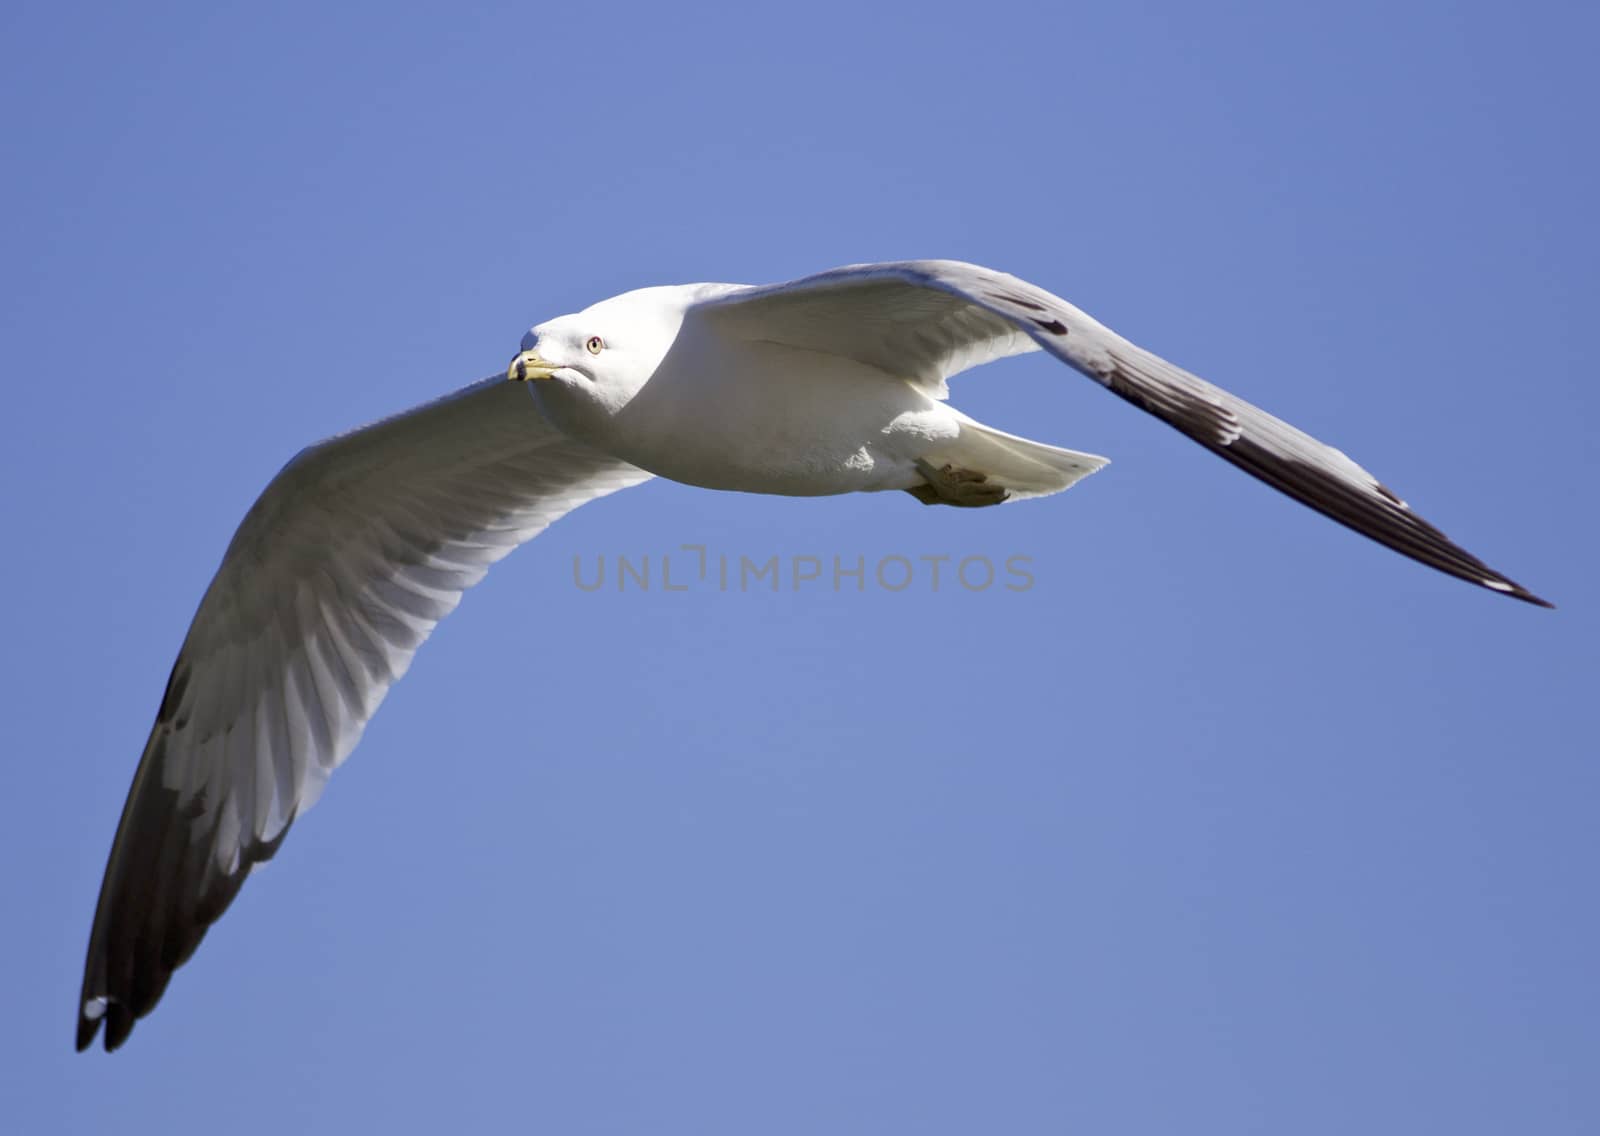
{"x":593,"y":362}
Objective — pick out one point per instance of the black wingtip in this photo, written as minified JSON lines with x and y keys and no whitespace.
{"x":119,"y":1024}
{"x":138,"y":975}
{"x":1493,"y":581}
{"x":1516,"y":591}
{"x":117,"y":1020}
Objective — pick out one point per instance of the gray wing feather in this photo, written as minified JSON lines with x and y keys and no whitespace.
{"x":875,"y":314}
{"x":337,"y":574}
{"x":880,"y":313}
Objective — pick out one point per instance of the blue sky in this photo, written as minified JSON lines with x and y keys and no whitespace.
{"x":1232,"y":822}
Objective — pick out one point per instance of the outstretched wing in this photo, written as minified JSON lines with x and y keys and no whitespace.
{"x":337,"y":574}
{"x":930,"y":319}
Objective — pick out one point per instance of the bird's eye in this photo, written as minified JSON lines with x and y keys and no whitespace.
{"x":595,"y":345}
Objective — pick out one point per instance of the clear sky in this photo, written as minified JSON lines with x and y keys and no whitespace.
{"x":1232,"y":822}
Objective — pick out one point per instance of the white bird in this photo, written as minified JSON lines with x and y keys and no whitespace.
{"x":829,"y":384}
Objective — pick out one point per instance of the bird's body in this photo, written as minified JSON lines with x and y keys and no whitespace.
{"x":780,"y":411}
{"x":830,"y":384}
{"x":767,"y":416}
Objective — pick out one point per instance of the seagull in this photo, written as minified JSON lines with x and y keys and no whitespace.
{"x":833,"y":383}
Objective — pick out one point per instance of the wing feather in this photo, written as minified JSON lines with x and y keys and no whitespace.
{"x":337,"y":574}
{"x":880,"y":318}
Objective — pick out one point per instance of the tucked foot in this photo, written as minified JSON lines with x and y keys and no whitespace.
{"x":948,"y":485}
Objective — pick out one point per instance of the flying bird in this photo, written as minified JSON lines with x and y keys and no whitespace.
{"x":833,"y":383}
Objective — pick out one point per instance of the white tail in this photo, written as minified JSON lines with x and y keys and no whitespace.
{"x":1027,"y":469}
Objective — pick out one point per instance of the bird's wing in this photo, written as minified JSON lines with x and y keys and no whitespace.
{"x":885,"y":315}
{"x":934,"y":318}
{"x":337,"y":574}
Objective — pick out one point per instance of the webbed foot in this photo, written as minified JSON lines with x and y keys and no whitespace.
{"x":963,"y":488}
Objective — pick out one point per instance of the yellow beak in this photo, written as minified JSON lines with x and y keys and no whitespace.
{"x":530,"y":365}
